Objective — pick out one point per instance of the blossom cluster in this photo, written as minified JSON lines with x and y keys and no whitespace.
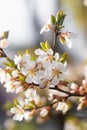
{"x":39,"y":80}
{"x":24,"y":73}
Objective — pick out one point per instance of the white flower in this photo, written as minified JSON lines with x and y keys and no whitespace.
{"x":3,"y":43}
{"x":62,"y":106}
{"x":11,"y":85}
{"x":24,"y":62}
{"x":44,"y":83}
{"x":14,"y":73}
{"x":28,"y":116}
{"x":30,"y":93}
{"x":47,"y":27}
{"x":8,"y":84}
{"x":44,"y":112}
{"x":31,"y":76}
{"x":55,"y":72}
{"x":19,"y":113}
{"x":73,"y":86}
{"x":46,"y":55}
{"x":18,"y":86}
{"x":66,"y":37}
{"x":85,"y":2}
{"x":17,"y":61}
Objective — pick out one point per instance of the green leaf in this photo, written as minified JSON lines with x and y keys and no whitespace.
{"x":59,"y":15}
{"x":45,"y":46}
{"x":61,"y":20}
{"x":53,"y":20}
{"x":63,"y":57}
{"x":21,"y":78}
{"x":8,"y":105}
{"x":5,"y":34}
{"x":15,"y":102}
{"x":10,"y":63}
{"x":31,"y":105}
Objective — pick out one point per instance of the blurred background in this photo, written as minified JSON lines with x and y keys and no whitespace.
{"x":24,"y":19}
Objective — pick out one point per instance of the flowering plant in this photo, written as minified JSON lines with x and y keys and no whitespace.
{"x":39,"y":81}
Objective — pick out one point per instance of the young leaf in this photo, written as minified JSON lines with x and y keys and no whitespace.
{"x":5,"y":34}
{"x":21,"y":78}
{"x":45,"y":46}
{"x":15,"y":102}
{"x":59,"y":15}
{"x":10,"y":63}
{"x":63,"y":57}
{"x":31,"y":105}
{"x":61,"y":20}
{"x":53,"y":20}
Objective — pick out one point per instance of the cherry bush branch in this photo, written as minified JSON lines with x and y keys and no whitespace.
{"x":37,"y":79}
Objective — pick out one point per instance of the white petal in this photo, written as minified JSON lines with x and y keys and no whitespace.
{"x":44,"y":29}
{"x":15,"y":74}
{"x":13,"y":110}
{"x":68,"y":42}
{"x":55,"y":81}
{"x":18,"y":117}
{"x":44,"y":112}
{"x":30,"y":64}
{"x":39,"y":52}
{"x":74,"y":86}
{"x":24,"y":71}
{"x":50,"y":52}
{"x":30,"y":93}
{"x":61,"y":67}
{"x":62,"y":106}
{"x":40,"y":74}
{"x":56,"y":56}
{"x":54,"y":64}
{"x":28,"y":116}
{"x":61,"y":76}
{"x":26,"y":57}
{"x":35,"y":80}
{"x":29,"y":79}
{"x":46,"y":64}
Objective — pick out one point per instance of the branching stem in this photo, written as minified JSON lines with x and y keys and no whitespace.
{"x":54,"y":42}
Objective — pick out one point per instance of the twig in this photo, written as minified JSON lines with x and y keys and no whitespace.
{"x":47,"y":105}
{"x":68,"y":93}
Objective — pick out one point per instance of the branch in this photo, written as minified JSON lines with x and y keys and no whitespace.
{"x":47,"y":105}
{"x":61,"y":90}
{"x":54,"y":42}
{"x":66,"y":92}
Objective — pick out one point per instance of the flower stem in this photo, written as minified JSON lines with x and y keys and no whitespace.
{"x":54,"y":42}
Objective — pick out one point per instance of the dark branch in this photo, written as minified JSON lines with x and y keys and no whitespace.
{"x":68,"y":93}
{"x":61,"y":90}
{"x":47,"y":105}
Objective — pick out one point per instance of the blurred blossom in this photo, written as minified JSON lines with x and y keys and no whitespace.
{"x":43,"y":112}
{"x":3,"y":43}
{"x":85,"y":2}
{"x":9,"y":124}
